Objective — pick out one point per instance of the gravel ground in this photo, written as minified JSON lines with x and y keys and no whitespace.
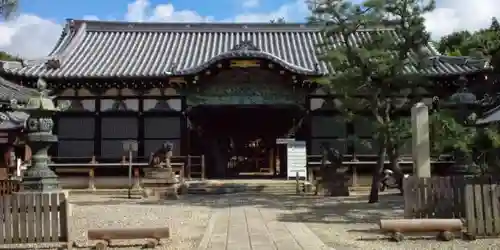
{"x":341,"y":223}
{"x":187,"y":223}
{"x":351,"y":223}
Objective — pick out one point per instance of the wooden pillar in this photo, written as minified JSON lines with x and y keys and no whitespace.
{"x":27,"y":153}
{"x":278,"y":161}
{"x":271,"y":160}
{"x":5,"y":164}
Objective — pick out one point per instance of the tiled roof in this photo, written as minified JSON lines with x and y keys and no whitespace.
{"x":121,"y":49}
{"x":490,"y":116}
{"x":12,"y":120}
{"x":10,"y":90}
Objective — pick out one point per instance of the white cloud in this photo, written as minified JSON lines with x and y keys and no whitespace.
{"x":455,"y":15}
{"x":30,"y":36}
{"x":294,"y":11}
{"x":91,"y":17}
{"x":141,"y":11}
{"x":250,"y":3}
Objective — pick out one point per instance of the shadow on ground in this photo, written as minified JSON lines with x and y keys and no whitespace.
{"x":343,"y":211}
{"x":296,"y":208}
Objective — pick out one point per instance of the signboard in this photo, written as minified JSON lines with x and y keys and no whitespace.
{"x":284,"y":140}
{"x":296,"y":159}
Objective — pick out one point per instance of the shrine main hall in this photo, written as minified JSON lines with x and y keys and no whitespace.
{"x":226,"y":91}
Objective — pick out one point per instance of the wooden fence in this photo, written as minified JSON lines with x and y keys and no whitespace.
{"x":34,"y":218}
{"x":473,"y":199}
{"x":483,"y":207}
{"x":8,"y":187}
{"x":193,"y":166}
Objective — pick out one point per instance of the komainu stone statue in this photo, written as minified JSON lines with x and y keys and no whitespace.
{"x":334,"y":181}
{"x":160,"y":173}
{"x":162,"y":156}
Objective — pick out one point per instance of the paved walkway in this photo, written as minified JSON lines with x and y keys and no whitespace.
{"x":253,"y":228}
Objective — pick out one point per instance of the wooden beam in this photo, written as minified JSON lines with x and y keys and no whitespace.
{"x":421,"y":225}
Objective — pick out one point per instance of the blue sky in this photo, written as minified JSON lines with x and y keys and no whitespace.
{"x":58,"y":10}
{"x":33,"y":33}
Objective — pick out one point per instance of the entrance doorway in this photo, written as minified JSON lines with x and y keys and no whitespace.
{"x":240,"y":141}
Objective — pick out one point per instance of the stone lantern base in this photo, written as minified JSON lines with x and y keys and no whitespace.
{"x":39,"y":177}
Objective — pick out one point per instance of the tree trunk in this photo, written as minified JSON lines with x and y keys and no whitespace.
{"x":377,"y":171}
{"x":394,"y":165}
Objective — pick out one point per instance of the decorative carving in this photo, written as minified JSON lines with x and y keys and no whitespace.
{"x":176,"y":80}
{"x":245,"y":64}
{"x":245,"y":86}
{"x":245,"y":45}
{"x":32,"y":124}
{"x":53,"y":63}
{"x":46,"y":124}
{"x":244,"y":93}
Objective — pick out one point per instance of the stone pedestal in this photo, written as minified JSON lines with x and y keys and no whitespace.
{"x":162,"y":182}
{"x":39,"y":177}
{"x":337,"y":184}
{"x":420,"y":140}
{"x":334,"y":182}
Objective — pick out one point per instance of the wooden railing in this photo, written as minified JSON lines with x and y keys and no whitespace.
{"x":7,"y":187}
{"x":194,"y":166}
{"x":363,"y":162}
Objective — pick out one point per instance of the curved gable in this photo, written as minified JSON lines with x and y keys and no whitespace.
{"x":246,"y":49}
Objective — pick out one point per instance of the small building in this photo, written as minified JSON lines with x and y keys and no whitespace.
{"x":12,"y":145}
{"x":226,"y":91}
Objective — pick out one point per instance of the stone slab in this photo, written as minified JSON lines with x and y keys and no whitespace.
{"x":243,"y":227}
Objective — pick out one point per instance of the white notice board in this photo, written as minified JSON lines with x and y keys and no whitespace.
{"x":296,"y":159}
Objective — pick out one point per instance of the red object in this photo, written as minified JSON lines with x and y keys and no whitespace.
{"x":136,"y":172}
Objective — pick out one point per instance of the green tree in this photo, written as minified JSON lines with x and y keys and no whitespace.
{"x":371,"y":73}
{"x":453,"y":43}
{"x":278,"y":20}
{"x":484,"y":43}
{"x":8,"y":8}
{"x":477,"y":145}
{"x":494,"y":24}
{"x":4,"y":56}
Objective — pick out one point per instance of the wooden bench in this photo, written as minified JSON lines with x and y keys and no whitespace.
{"x":104,"y":236}
{"x":444,"y":227}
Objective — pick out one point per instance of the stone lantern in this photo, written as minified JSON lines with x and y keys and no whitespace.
{"x":465,"y":100}
{"x":40,"y":109}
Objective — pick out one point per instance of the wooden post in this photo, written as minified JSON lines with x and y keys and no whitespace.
{"x":92,"y":174}
{"x":188,"y":169}
{"x":124,"y":160}
{"x":354,"y":176}
{"x":137,"y":180}
{"x":271,"y":160}
{"x":181,"y":174}
{"x":202,"y":167}
{"x":297,"y":183}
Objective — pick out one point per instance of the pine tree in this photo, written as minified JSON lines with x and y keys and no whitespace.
{"x":370,"y":64}
{"x":8,"y":8}
{"x":278,"y":20}
{"x":494,"y":24}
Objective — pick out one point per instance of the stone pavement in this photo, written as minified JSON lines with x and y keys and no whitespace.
{"x":257,"y":228}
